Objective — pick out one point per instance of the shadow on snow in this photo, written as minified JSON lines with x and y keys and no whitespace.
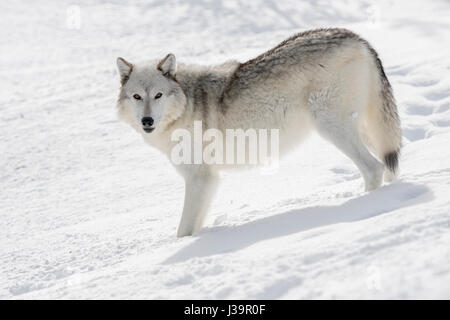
{"x":233,"y":238}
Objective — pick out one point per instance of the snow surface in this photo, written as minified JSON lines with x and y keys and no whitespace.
{"x":89,"y":211}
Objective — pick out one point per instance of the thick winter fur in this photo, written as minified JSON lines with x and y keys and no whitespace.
{"x":330,"y":80}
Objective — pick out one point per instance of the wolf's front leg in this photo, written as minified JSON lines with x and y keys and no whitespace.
{"x":199,"y":190}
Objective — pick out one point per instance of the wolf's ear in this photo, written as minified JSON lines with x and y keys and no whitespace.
{"x":125,"y":68}
{"x":168,"y":65}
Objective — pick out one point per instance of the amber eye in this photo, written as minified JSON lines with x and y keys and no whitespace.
{"x":137,"y":97}
{"x":158,"y":95}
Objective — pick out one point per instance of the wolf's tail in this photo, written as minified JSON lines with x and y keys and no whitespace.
{"x":383,"y":123}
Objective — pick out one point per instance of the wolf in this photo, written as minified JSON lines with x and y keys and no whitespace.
{"x":330,"y":80}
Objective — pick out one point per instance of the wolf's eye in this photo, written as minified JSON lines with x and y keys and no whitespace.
{"x":158,"y":95}
{"x":137,"y":97}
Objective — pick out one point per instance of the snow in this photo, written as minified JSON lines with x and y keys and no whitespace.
{"x":89,"y":211}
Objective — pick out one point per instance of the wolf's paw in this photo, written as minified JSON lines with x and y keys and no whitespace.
{"x":184,"y":233}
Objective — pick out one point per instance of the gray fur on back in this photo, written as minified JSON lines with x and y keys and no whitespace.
{"x":301,"y":49}
{"x":304,"y":49}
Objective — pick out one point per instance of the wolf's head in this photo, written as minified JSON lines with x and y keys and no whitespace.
{"x":150,"y":97}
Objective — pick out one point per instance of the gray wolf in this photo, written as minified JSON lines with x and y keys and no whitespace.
{"x":330,"y":80}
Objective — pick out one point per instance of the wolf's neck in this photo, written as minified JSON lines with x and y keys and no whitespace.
{"x":204,"y":86}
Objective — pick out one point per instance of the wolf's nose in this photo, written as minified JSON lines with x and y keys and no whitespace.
{"x":147,"y":121}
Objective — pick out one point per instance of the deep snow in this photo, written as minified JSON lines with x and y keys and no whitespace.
{"x":89,"y":211}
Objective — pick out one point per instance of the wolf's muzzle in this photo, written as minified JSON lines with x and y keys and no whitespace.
{"x":147,"y":123}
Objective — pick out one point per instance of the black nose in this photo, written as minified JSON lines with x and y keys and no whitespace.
{"x":147,"y":121}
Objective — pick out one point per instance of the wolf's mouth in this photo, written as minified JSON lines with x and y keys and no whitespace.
{"x":148,"y":130}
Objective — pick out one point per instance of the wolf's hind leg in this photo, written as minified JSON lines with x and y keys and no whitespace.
{"x":199,"y":191}
{"x":345,"y":136}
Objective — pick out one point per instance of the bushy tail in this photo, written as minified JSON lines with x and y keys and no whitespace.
{"x":383,"y":122}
